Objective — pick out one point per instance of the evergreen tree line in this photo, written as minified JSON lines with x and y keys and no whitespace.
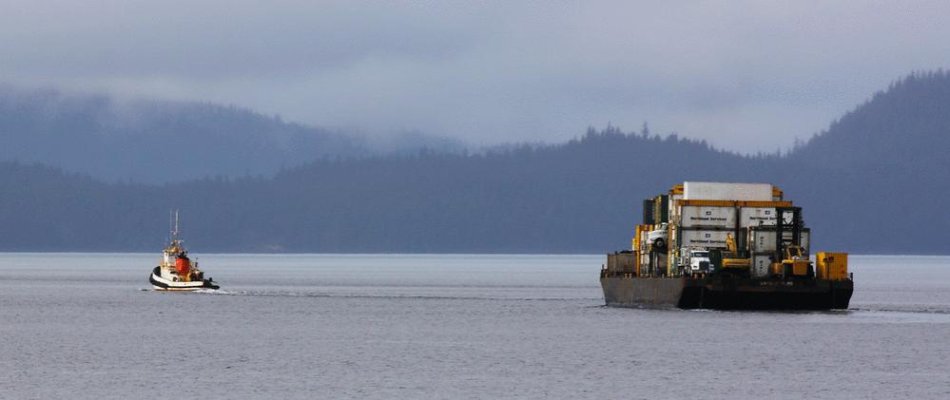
{"x":874,"y":182}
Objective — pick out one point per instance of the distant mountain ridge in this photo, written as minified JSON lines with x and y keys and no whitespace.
{"x":907,"y":118}
{"x":881,"y":174}
{"x":165,"y":141}
{"x":874,"y":182}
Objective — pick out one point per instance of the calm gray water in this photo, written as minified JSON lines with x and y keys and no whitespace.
{"x":86,"y":326}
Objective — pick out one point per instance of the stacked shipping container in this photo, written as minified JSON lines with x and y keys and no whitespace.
{"x":703,"y":214}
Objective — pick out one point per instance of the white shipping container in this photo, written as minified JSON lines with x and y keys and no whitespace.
{"x":704,"y":239}
{"x":757,"y":216}
{"x":761,"y":241}
{"x":707,"y":216}
{"x":761,"y":264}
{"x":727,"y":191}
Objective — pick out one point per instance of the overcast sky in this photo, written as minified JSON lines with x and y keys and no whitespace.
{"x":743,"y":75}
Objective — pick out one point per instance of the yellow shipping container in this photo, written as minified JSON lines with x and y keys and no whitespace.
{"x":832,"y":266}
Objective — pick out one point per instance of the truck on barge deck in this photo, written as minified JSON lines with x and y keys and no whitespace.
{"x":726,"y":246}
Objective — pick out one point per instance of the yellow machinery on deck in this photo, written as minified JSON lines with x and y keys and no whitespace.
{"x":794,"y":263}
{"x":731,"y":259}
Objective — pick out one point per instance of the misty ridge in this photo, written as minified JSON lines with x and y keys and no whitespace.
{"x":152,"y":141}
{"x":873,"y":182}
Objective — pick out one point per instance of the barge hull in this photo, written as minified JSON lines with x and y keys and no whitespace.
{"x":724,"y":293}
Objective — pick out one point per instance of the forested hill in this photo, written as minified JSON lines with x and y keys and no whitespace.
{"x":879,"y":177}
{"x":154,"y":141}
{"x":578,"y":196}
{"x":872,"y":183}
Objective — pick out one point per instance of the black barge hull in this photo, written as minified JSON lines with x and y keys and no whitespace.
{"x":727,"y":293}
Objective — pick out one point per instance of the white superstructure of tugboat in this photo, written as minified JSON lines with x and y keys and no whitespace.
{"x":176,"y":271}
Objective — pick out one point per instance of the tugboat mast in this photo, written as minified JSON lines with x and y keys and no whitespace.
{"x":173,"y":227}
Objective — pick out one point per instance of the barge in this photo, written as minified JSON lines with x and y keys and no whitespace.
{"x":725,"y":246}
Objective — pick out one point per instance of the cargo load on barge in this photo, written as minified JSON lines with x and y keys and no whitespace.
{"x":727,"y":246}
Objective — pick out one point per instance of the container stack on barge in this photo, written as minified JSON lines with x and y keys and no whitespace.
{"x":727,"y":246}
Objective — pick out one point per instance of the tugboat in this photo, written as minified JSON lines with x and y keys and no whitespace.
{"x":176,"y":271}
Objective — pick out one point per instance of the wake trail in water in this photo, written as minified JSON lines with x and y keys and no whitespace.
{"x":380,"y":296}
{"x":939,"y":309}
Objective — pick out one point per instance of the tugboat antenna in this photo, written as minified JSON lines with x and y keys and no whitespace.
{"x":176,"y":225}
{"x":173,"y":226}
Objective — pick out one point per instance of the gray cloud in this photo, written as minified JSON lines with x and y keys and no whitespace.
{"x":743,"y":75}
